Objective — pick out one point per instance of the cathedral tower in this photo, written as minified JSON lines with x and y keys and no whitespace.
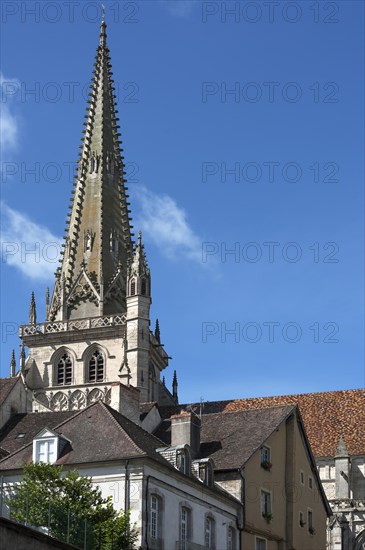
{"x":96,"y":342}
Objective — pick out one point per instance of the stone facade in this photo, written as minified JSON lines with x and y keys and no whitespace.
{"x":343,"y":479}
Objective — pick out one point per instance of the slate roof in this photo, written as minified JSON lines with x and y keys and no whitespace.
{"x":326,"y":416}
{"x":28,"y":424}
{"x":97,"y":434}
{"x":6,"y":385}
{"x":231,"y":439}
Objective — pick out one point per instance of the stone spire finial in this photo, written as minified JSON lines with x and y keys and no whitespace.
{"x":12,"y":364}
{"x":174,"y":387}
{"x":98,"y":232}
{"x":32,"y":311}
{"x":157,"y":332}
{"x":22,"y":357}
{"x":341,"y":450}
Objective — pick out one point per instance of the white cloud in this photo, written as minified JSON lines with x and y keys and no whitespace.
{"x":9,"y":125}
{"x":165,"y":223}
{"x":178,"y":8}
{"x":27,"y":246}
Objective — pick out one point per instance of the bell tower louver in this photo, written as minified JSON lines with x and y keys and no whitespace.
{"x":91,"y":280}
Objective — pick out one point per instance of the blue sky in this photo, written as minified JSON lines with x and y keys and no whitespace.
{"x":243,"y":131}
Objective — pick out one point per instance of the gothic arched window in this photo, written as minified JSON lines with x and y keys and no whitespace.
{"x":64,"y":370}
{"x":96,"y":367}
{"x":144,"y":287}
{"x":133,"y":287}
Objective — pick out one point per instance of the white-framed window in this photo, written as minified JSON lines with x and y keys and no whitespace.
{"x":266,"y":508}
{"x":209,"y":529}
{"x":231,"y":538}
{"x":310,"y":482}
{"x":302,"y":477}
{"x":260,"y":544}
{"x":265,"y":454}
{"x":155,"y":513}
{"x":185,"y":527}
{"x":45,"y":450}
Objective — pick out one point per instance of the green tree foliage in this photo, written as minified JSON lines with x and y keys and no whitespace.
{"x":70,"y":508}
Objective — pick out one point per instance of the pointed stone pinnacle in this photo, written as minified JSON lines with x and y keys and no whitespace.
{"x":12,"y":364}
{"x":174,"y":387}
{"x":157,"y":332}
{"x":22,"y":357}
{"x":32,"y":311}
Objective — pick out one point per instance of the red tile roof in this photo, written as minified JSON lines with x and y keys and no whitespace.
{"x":326,"y":416}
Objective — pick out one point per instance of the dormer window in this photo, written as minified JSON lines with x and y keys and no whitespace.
{"x":182,"y":461}
{"x":47,"y":446}
{"x":206,"y":472}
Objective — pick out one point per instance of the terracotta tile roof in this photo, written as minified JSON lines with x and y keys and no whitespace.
{"x":97,"y":433}
{"x":6,"y":385}
{"x":326,"y":416}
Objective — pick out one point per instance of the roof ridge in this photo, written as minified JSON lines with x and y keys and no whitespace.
{"x":291,"y":405}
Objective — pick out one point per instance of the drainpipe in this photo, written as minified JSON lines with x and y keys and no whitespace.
{"x":146,"y":510}
{"x":241,"y":529}
{"x":126,"y":488}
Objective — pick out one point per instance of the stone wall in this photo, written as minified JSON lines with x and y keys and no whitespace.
{"x":14,"y":536}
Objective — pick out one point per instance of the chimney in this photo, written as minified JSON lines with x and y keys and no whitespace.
{"x":185,"y":430}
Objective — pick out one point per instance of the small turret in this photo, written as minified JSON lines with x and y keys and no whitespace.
{"x":32,"y":311}
{"x":12,"y":364}
{"x":138,"y":321}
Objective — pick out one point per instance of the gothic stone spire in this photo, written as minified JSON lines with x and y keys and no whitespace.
{"x":92,"y":278}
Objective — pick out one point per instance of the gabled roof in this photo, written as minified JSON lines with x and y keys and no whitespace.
{"x":231,"y":439}
{"x":96,"y":434}
{"x":326,"y":416}
{"x":6,"y":385}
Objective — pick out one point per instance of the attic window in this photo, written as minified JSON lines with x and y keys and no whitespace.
{"x":20,"y":436}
